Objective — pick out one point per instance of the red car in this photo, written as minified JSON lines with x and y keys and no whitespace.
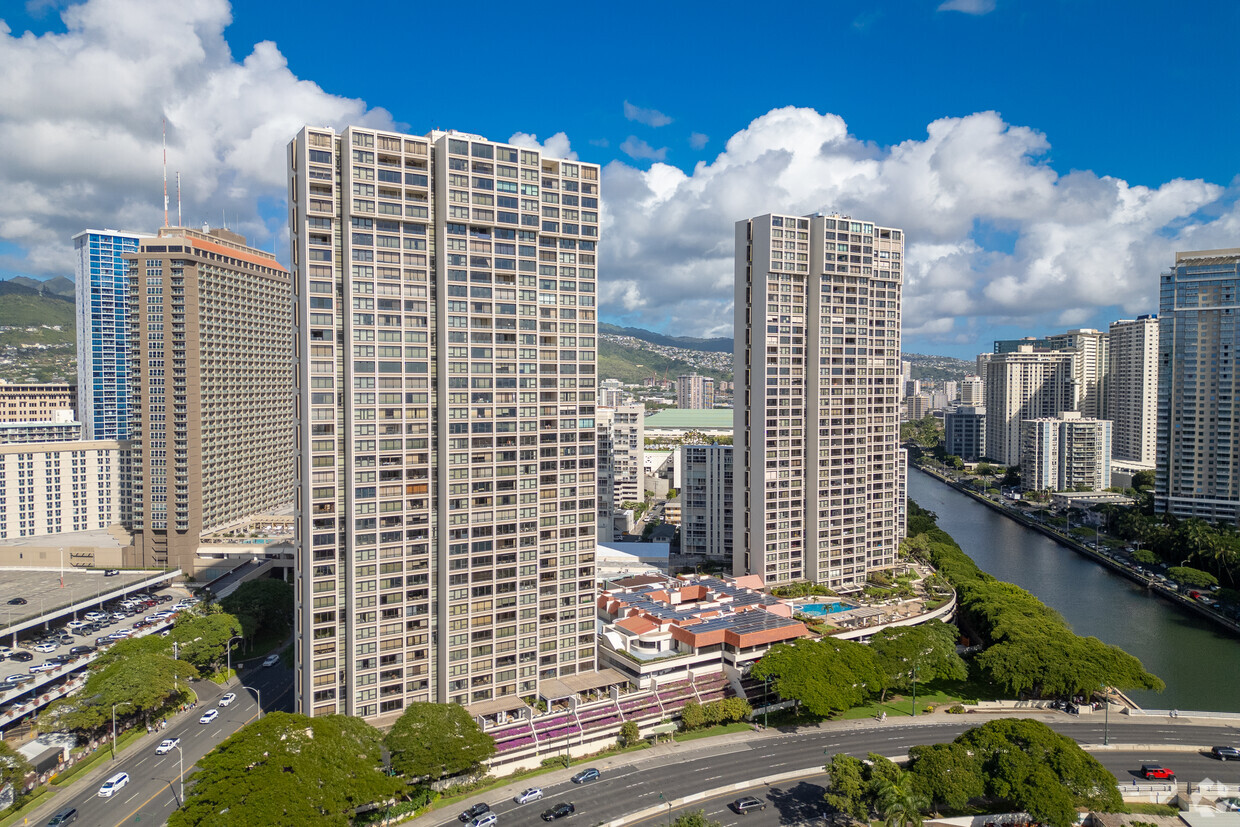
{"x":1156,"y":771}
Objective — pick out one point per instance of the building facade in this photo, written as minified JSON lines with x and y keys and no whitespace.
{"x":1198,"y":452}
{"x":972,"y":392}
{"x":1132,"y":388}
{"x":706,"y":502}
{"x":60,"y":426}
{"x":211,"y":388}
{"x":695,"y":392}
{"x":36,"y":401}
{"x":964,"y":432}
{"x":1065,"y":453}
{"x":1090,"y":368}
{"x":817,"y":419}
{"x":1024,"y":384}
{"x":621,"y":462}
{"x":445,"y":290}
{"x":52,"y":488}
{"x":103,"y":330}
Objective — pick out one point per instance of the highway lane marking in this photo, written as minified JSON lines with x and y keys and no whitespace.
{"x":143,"y":761}
{"x":714,"y":778}
{"x":784,"y":764}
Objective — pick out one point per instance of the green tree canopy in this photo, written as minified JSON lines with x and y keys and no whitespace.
{"x":847,"y":786}
{"x":1145,"y":557}
{"x":1033,"y":768}
{"x":946,"y":775}
{"x":13,"y":766}
{"x":930,"y":648}
{"x":286,"y":769}
{"x":899,"y":802}
{"x":825,"y":676}
{"x":134,"y":674}
{"x":1189,"y":576}
{"x":696,"y":818}
{"x":203,"y":639}
{"x":436,"y":741}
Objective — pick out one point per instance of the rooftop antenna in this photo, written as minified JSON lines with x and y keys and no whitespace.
{"x":165,"y":142}
{"x":179,"y":224}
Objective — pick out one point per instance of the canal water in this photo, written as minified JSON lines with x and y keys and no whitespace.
{"x":1199,"y":661}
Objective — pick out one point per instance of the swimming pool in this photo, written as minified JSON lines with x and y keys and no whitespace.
{"x":821,"y":608}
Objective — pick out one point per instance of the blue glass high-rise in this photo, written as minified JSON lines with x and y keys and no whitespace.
{"x":103,"y":331}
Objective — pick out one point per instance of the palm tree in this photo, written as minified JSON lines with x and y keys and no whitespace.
{"x":899,"y":804}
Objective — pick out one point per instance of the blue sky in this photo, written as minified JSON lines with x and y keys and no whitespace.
{"x":1034,"y":151}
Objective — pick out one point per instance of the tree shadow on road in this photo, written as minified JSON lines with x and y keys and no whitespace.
{"x":800,"y":803}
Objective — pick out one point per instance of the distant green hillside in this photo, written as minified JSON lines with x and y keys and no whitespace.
{"x":21,"y":306}
{"x":718,"y":345}
{"x":632,"y":364}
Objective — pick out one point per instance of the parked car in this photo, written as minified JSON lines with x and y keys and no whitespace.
{"x":559,"y":810}
{"x":209,"y":716}
{"x":113,"y":784}
{"x":1226,"y":753}
{"x":164,"y":598}
{"x":226,"y":700}
{"x":78,"y":651}
{"x":271,"y":660}
{"x":18,"y":601}
{"x":528,"y":795}
{"x":46,"y":666}
{"x":93,"y":617}
{"x":15,"y":679}
{"x":746,"y":803}
{"x":586,"y":776}
{"x":45,"y":647}
{"x":1156,"y":771}
{"x":66,"y":816}
{"x":474,"y":811}
{"x":111,"y":572}
{"x":167,"y":745}
{"x":21,"y":656}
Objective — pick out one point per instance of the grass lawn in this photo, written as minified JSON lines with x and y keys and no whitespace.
{"x":101,"y":756}
{"x":718,"y":729}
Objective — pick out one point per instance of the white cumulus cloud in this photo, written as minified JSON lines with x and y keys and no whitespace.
{"x":557,"y":146}
{"x":80,"y":120}
{"x":1070,"y":244}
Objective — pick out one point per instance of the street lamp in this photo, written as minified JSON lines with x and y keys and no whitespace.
{"x":766,"y":702}
{"x":914,"y":689}
{"x":114,"y":706}
{"x":1106,"y":715}
{"x":258,"y":699}
{"x":181,"y":777}
{"x":228,"y":653}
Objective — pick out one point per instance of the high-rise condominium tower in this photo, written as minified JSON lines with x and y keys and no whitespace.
{"x":1198,"y":473}
{"x":103,"y":331}
{"x":446,"y":344}
{"x":621,"y":462}
{"x":212,"y":387}
{"x":1132,"y":388}
{"x":817,"y":454}
{"x":695,"y":392}
{"x":1024,"y":384}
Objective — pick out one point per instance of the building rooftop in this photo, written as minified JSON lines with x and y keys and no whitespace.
{"x":713,"y":419}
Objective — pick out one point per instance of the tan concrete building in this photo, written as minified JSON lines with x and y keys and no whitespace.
{"x":36,"y":401}
{"x":446,"y":347}
{"x":621,"y":462}
{"x":972,"y":391}
{"x":1065,"y":453}
{"x":1132,"y":388}
{"x":1024,"y":384}
{"x":57,"y":487}
{"x":211,"y":385}
{"x":817,"y":455}
{"x":695,"y":392}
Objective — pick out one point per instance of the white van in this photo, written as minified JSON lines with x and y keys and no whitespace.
{"x":113,"y":784}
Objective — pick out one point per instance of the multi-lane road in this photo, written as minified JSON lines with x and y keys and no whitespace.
{"x":154,"y":788}
{"x":630,"y":785}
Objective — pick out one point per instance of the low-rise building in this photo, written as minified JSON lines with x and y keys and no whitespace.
{"x":35,"y":401}
{"x":681,"y":628}
{"x":57,"y":425}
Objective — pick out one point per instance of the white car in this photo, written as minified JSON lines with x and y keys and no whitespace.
{"x":167,"y":745}
{"x":226,"y":700}
{"x":94,"y":617}
{"x":532,"y":794}
{"x":209,"y":716}
{"x":46,"y":647}
{"x":46,"y":666}
{"x":271,"y":660}
{"x":113,"y":784}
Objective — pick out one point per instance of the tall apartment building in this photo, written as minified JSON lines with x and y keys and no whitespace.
{"x":211,"y":389}
{"x":35,"y":401}
{"x":695,"y":392}
{"x":611,"y":394}
{"x":817,"y":408}
{"x":918,"y":405}
{"x":1065,"y":453}
{"x":1132,"y":388}
{"x":1198,"y":454}
{"x":951,"y":391}
{"x":621,"y":461}
{"x":972,"y":391}
{"x":1090,"y":368}
{"x":445,"y":291}
{"x":103,"y":330}
{"x":964,"y":432}
{"x":707,"y":502}
{"x":1024,"y":384}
